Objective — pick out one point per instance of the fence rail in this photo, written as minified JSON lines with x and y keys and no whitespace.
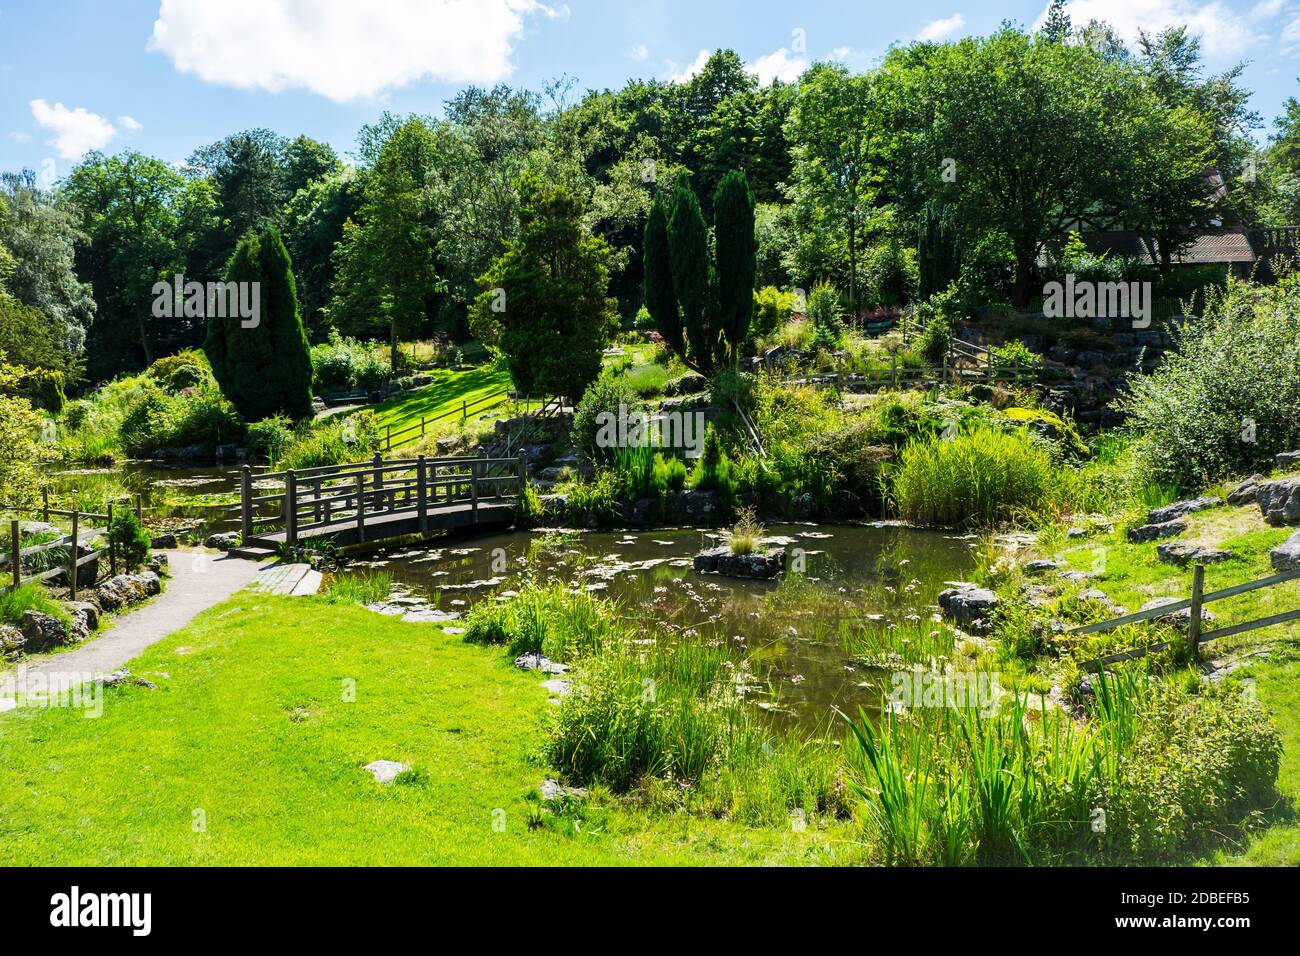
{"x":72,"y":541}
{"x":1193,"y":604}
{"x":347,"y":495}
{"x":394,"y":439}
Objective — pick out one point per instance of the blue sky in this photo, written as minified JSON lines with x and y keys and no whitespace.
{"x":168,"y":77}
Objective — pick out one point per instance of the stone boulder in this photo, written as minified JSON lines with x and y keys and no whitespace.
{"x":1179,"y":618}
{"x":1182,"y":554}
{"x":1286,"y":556}
{"x":1245,"y":492}
{"x":1279,"y":501}
{"x":1041,"y":566}
{"x":1154,"y":532}
{"x":1181,"y":509}
{"x":223,"y":541}
{"x":1286,"y":460}
{"x":968,"y":605}
{"x":12,"y":643}
{"x":163,"y":541}
{"x":37,"y":527}
{"x":85,"y":618}
{"x":757,"y":564}
{"x":42,"y":631}
{"x":158,"y":564}
{"x":127,"y":589}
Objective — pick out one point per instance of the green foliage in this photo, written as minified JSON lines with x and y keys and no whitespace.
{"x":264,"y":370}
{"x":130,"y":540}
{"x":269,"y":438}
{"x":975,"y":477}
{"x":548,"y":620}
{"x":341,"y":364}
{"x":1224,"y":402}
{"x":938,"y":316}
{"x":937,"y":258}
{"x":771,"y":308}
{"x":333,"y":442}
{"x":544,"y":300}
{"x":712,"y":471}
{"x":186,"y":369}
{"x":30,"y":597}
{"x":735,"y":250}
{"x":368,"y":587}
{"x":824,"y":313}
{"x":606,"y":396}
{"x":660,"y":296}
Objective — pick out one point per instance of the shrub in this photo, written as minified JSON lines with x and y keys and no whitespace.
{"x":771,"y":308}
{"x":333,"y":442}
{"x":713,"y":468}
{"x":1223,"y":403}
{"x":146,"y":423}
{"x":606,"y":394}
{"x":669,"y":474}
{"x":269,"y":437}
{"x":976,"y":477}
{"x":130,"y":540}
{"x":938,"y":317}
{"x":824,"y":313}
{"x":185,"y":369}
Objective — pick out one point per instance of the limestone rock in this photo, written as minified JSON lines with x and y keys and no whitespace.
{"x":1245,"y":492}
{"x":756,"y":564}
{"x":1279,"y":501}
{"x":223,"y":541}
{"x":12,"y":643}
{"x":968,"y":605}
{"x":1286,"y":460}
{"x":42,"y":631}
{"x":1182,"y":554}
{"x":1041,"y":566}
{"x":1153,"y":532}
{"x":385,"y":771}
{"x":1181,"y":509}
{"x":1286,"y":556}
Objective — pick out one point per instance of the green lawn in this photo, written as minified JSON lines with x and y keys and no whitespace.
{"x":249,"y":725}
{"x":446,"y":394}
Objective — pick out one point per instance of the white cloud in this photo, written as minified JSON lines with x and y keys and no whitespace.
{"x":1223,"y":34}
{"x":680,"y":74}
{"x":341,"y":49}
{"x":76,"y":132}
{"x":19,"y":137}
{"x":639,"y":53}
{"x":937,"y":30}
{"x":1266,"y":9}
{"x":778,"y":65}
{"x":129,"y":123}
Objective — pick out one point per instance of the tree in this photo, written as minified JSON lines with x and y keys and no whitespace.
{"x":313,"y":228}
{"x":307,"y":161}
{"x":694,"y":281}
{"x":735,"y":254}
{"x":248,"y":172}
{"x":544,"y":301}
{"x":660,"y":299}
{"x":264,"y":369}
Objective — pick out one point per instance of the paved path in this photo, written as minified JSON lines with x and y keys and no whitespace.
{"x":198,"y":581}
{"x":296,"y":580}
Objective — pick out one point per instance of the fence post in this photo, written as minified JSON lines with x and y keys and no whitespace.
{"x":388,"y":443}
{"x":14,"y":557}
{"x":245,"y":504}
{"x":1194,"y":622}
{"x":523,"y":475}
{"x":361,"y":506}
{"x":290,"y":508}
{"x":73,"y":553}
{"x":112,"y":552}
{"x":421,"y":492}
{"x":893,"y":369}
{"x":45,"y":505}
{"x":464,"y":410}
{"x":378,"y":463}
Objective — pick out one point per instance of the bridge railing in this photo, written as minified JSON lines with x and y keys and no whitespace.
{"x":351,"y":494}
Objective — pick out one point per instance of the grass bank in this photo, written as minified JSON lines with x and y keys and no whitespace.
{"x":248,"y":752}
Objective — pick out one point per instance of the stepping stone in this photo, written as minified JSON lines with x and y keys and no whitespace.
{"x":385,"y":771}
{"x":556,"y":686}
{"x":453,"y":631}
{"x":537,"y":662}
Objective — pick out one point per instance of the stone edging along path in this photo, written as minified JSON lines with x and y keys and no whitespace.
{"x":198,"y":580}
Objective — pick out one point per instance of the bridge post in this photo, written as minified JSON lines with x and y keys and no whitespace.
{"x":421,"y":492}
{"x":290,"y":508}
{"x":523,"y":475}
{"x":378,"y":462}
{"x":475,"y":469}
{"x":245,"y":504}
{"x":112,"y":551}
{"x":361,"y":506}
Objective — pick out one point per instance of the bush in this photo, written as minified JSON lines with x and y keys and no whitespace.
{"x":712,"y":470}
{"x":824,"y":313}
{"x":890,"y":274}
{"x":130,"y":540}
{"x":938,"y":317}
{"x":185,"y":369}
{"x":976,"y":477}
{"x":772,"y":307}
{"x":606,"y":394}
{"x":1224,"y":402}
{"x":269,"y":437}
{"x":333,"y":442}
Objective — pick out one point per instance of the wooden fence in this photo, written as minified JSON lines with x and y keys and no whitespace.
{"x":1194,"y":604}
{"x":72,"y":541}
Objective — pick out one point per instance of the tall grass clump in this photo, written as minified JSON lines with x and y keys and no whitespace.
{"x":544,"y":619}
{"x":977,"y":477}
{"x":368,"y":587}
{"x":30,"y":597}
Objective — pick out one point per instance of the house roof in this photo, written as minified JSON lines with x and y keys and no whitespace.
{"x":1209,"y":249}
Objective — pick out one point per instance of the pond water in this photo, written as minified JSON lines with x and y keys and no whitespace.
{"x":823,"y":637}
{"x":182,"y":491}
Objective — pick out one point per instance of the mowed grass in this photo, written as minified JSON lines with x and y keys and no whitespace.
{"x":248,"y":752}
{"x":445,"y":395}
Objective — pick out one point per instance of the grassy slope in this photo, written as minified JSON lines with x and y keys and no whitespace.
{"x":445,"y":394}
{"x":248,"y":724}
{"x":1132,"y":575}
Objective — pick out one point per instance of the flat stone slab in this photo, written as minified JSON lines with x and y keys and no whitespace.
{"x":755,"y":564}
{"x":1156,"y":531}
{"x":385,"y":771}
{"x":295,"y":580}
{"x":1182,"y":554}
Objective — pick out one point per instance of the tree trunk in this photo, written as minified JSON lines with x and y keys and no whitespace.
{"x":853,"y":262}
{"x":1023,"y":290}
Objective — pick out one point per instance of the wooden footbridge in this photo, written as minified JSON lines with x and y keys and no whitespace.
{"x":376,"y":499}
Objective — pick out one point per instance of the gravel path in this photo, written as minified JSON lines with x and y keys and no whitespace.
{"x":198,"y":581}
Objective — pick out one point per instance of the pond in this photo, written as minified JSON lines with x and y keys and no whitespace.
{"x":857,"y":602}
{"x":181,"y":491}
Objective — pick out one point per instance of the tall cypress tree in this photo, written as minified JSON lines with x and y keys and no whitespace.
{"x":264,"y":369}
{"x":694,"y":280}
{"x":660,"y":299}
{"x":736,"y":252}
